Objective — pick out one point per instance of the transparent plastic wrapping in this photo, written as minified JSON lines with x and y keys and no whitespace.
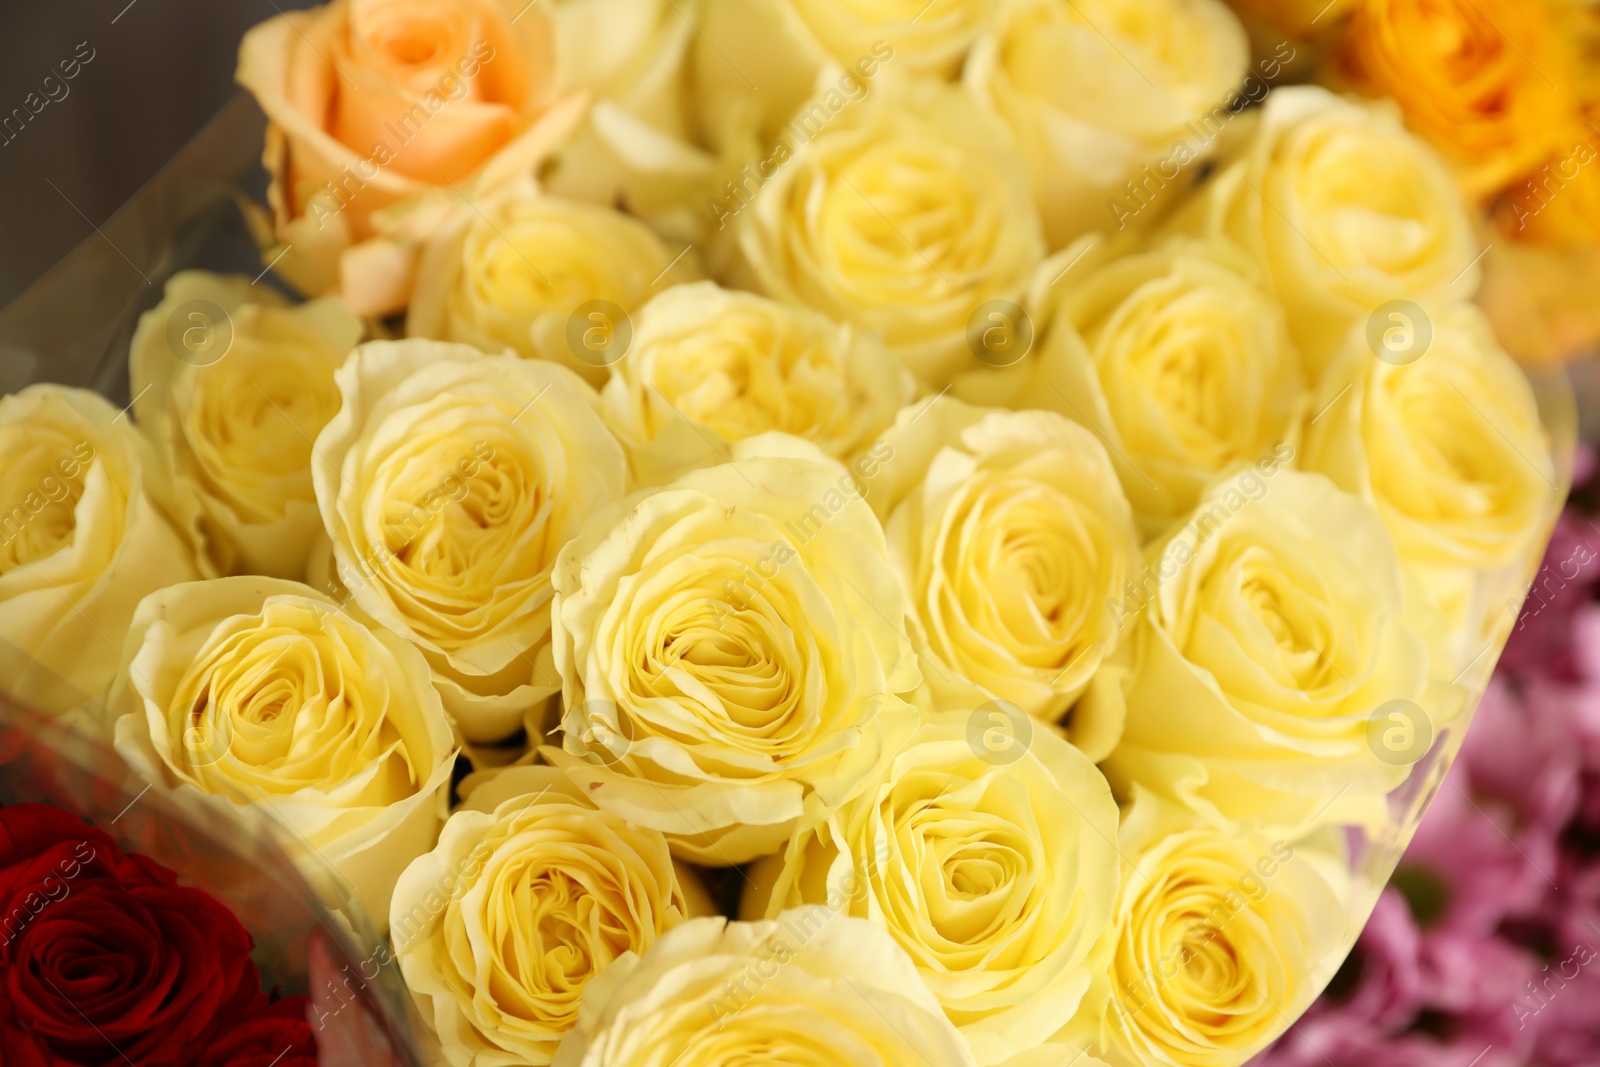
{"x":356,"y":1006}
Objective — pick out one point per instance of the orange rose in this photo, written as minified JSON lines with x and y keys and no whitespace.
{"x":1539,"y":287}
{"x":1560,"y":202}
{"x":384,"y":112}
{"x":1477,"y":78}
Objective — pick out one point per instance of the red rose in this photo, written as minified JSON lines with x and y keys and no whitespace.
{"x":43,"y":850}
{"x":104,"y":958}
{"x":276,"y":1033}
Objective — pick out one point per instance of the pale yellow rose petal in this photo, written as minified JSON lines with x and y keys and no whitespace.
{"x":232,"y":388}
{"x":994,"y":869}
{"x":729,"y":650}
{"x":900,"y":214}
{"x":1012,"y":549}
{"x":1103,"y":93}
{"x":448,"y":483}
{"x":86,"y":534}
{"x":814,"y":989}
{"x":709,"y":366}
{"x":530,"y":273}
{"x":531,"y":893}
{"x":252,"y":693}
{"x":1264,"y":648}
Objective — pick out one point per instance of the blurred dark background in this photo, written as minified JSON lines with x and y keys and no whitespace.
{"x":159,"y":70}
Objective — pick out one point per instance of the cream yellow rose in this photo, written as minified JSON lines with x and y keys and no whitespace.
{"x":82,"y":540}
{"x":383,"y":113}
{"x":752,"y":68}
{"x":639,"y":143}
{"x":1443,"y":436}
{"x":1344,"y":210}
{"x":1271,"y":628}
{"x":903,"y":216}
{"x":1054,"y":1054}
{"x":708,"y":366}
{"x":1103,"y":93}
{"x":1174,"y":356}
{"x":258,"y":693}
{"x":530,"y":894}
{"x":928,"y":36}
{"x":730,"y":649}
{"x":448,"y":482}
{"x":769,"y":75}
{"x":994,"y":869}
{"x":811,"y":989}
{"x":529,"y":273}
{"x":232,"y":386}
{"x":1220,"y":943}
{"x":1010,"y":535}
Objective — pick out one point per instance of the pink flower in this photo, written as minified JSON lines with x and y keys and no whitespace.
{"x":1490,"y":868}
{"x":1388,"y":988}
{"x":1527,"y":751}
{"x":1565,"y":1017}
{"x":1337,"y":1042}
{"x":1478,"y":980}
{"x":1541,"y":641}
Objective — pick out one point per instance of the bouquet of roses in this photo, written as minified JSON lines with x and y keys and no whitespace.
{"x":794,"y":532}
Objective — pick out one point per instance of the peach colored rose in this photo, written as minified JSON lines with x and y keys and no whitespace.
{"x":384,"y":112}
